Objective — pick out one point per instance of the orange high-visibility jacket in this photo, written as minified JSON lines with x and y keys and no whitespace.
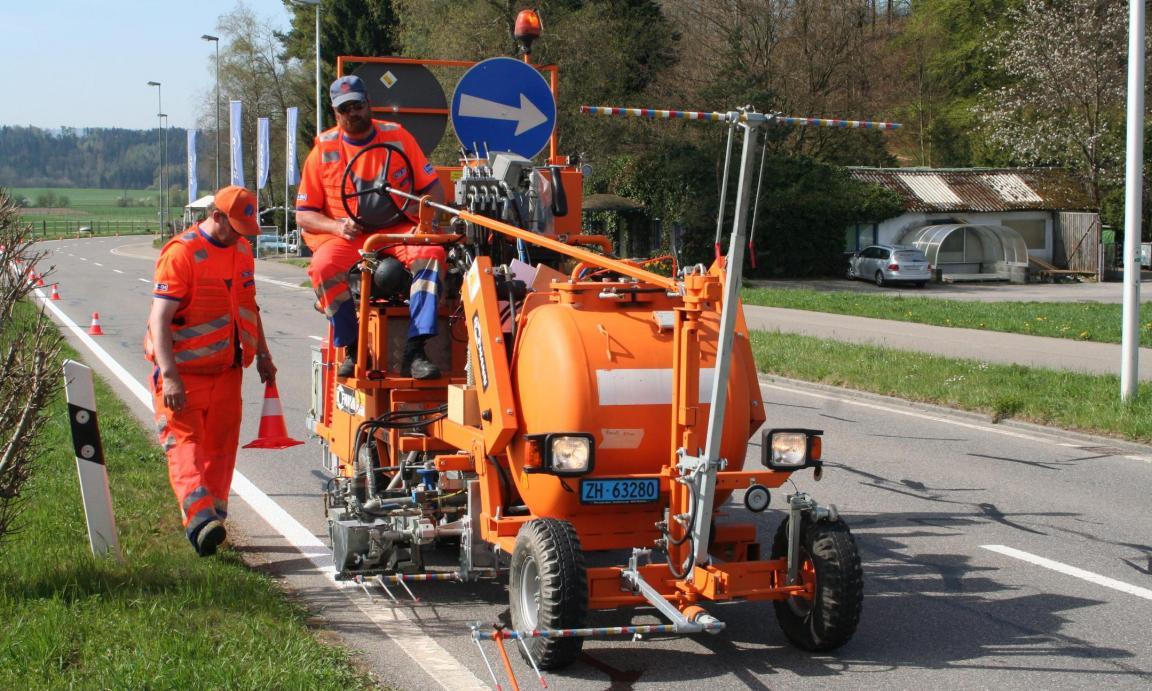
{"x":220,"y":302}
{"x":321,"y":187}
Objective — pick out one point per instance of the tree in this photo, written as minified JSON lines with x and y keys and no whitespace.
{"x":255,"y":70}
{"x":347,"y":27}
{"x":29,"y":378}
{"x":1064,"y":68}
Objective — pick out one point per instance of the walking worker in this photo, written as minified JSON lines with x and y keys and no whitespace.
{"x":203,"y":330}
{"x":389,"y":155}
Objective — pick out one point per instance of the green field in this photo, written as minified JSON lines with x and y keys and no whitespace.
{"x":95,"y":208}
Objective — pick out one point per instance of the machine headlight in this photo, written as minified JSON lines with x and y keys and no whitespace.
{"x":564,"y":453}
{"x":791,"y":449}
{"x":571,"y":454}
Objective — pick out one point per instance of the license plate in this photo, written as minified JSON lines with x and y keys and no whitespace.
{"x":622,"y":491}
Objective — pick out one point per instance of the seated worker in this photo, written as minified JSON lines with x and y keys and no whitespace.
{"x":335,"y":239}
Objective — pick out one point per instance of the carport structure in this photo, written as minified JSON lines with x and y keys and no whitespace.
{"x":962,"y":251}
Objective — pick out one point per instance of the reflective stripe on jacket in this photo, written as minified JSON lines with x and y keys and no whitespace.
{"x":221,"y":304}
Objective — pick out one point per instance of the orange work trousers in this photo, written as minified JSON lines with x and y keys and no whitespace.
{"x":200,"y":441}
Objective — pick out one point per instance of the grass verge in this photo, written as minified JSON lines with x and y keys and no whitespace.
{"x":1084,"y":321}
{"x":1069,"y":400}
{"x":164,"y":619}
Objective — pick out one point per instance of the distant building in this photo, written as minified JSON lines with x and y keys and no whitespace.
{"x":987,"y":222}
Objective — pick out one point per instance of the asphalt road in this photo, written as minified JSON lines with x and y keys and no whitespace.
{"x":1002,"y":556}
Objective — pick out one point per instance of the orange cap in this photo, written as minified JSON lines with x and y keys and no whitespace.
{"x":239,"y":205}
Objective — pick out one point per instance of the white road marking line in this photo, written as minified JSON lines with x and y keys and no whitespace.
{"x":284,"y":284}
{"x":995,"y":429}
{"x":83,"y":259}
{"x":71,"y":255}
{"x":97,"y":263}
{"x":1072,"y":571}
{"x":118,"y":271}
{"x":144,"y":280}
{"x":437,"y":662}
{"x":316,"y":338}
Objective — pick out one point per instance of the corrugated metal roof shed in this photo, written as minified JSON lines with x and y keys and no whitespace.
{"x":980,"y":189}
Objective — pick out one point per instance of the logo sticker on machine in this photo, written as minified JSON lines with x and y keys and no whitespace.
{"x":472,"y":278}
{"x":481,"y":359}
{"x":621,"y":438}
{"x":349,"y":400}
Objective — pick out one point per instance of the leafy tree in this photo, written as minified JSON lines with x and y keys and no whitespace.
{"x":255,"y":70}
{"x":1061,"y":103}
{"x":347,"y":27}
{"x":945,"y":65}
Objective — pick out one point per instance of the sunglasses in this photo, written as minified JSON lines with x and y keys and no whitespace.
{"x":345,"y":108}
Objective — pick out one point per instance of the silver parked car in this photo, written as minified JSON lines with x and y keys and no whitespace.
{"x":886,"y":264}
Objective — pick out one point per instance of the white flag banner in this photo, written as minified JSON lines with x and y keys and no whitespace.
{"x":192,"y":187}
{"x":263,"y":155}
{"x":235,"y":132}
{"x":293,"y":173}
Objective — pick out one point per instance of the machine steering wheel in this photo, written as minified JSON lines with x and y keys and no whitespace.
{"x":401,"y":203}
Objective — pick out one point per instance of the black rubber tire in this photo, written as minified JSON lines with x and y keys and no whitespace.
{"x":850,"y":274}
{"x":879,"y":278}
{"x":829,"y":620}
{"x":548,"y":569}
{"x":920,"y":284}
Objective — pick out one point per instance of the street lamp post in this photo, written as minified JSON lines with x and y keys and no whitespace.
{"x":316,"y":3}
{"x":166,"y":192}
{"x":216,"y":40}
{"x":160,"y":145}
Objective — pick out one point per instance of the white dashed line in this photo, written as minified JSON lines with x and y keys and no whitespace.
{"x":316,"y":338}
{"x":144,"y":280}
{"x":118,"y":271}
{"x":97,"y":263}
{"x":83,"y":259}
{"x":1072,"y":571}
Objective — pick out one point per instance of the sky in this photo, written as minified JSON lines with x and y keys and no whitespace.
{"x":83,"y":63}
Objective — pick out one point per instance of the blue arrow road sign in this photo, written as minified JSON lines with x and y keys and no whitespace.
{"x":502,"y":104}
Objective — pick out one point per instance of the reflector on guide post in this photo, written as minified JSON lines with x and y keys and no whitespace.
{"x":90,"y":460}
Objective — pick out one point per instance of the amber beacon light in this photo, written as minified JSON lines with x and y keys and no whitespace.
{"x":527,"y":29}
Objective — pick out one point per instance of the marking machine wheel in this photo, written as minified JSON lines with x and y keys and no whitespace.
{"x":831,"y":563}
{"x":879,"y":279}
{"x":548,"y":589}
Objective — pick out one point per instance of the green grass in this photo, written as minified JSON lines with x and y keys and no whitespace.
{"x":1084,"y":321}
{"x":167,"y":618}
{"x":1069,"y":400}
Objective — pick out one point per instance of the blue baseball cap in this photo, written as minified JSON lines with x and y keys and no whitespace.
{"x":344,"y":89}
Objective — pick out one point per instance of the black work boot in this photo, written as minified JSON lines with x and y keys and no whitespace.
{"x":348,"y":367}
{"x":416,"y":363}
{"x":209,"y":537}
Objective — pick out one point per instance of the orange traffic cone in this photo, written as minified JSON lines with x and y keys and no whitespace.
{"x":39,"y":281}
{"x":273,"y":432}
{"x":95,"y":329}
{"x":55,"y":292}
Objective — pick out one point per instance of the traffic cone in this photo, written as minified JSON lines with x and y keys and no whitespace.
{"x":95,"y":329}
{"x":273,"y":432}
{"x":55,"y":293}
{"x":39,"y":281}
